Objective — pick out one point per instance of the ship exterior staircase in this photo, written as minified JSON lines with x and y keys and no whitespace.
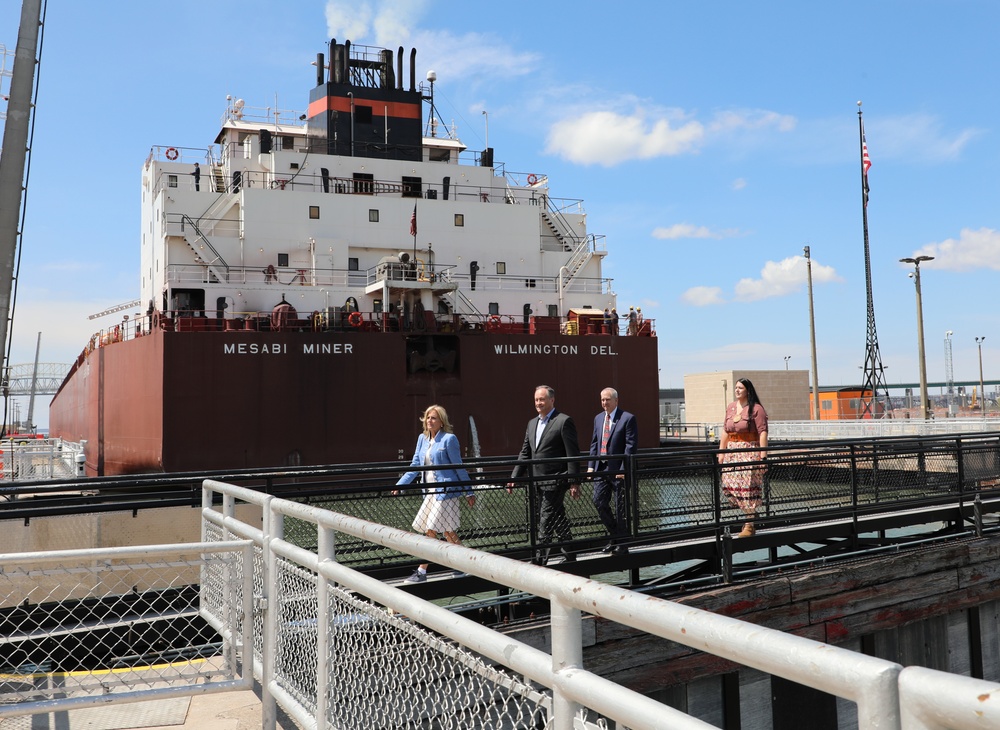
{"x":196,"y":233}
{"x":199,"y":242}
{"x":461,"y":304}
{"x":218,"y":178}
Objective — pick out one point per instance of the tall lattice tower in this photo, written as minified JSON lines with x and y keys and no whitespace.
{"x":873,"y":382}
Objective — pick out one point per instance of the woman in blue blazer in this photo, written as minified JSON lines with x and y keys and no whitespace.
{"x":440,"y":509}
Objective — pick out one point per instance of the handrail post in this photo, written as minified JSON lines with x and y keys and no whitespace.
{"x":632,"y":495}
{"x":567,"y":653}
{"x":274,"y":529}
{"x":325,"y":552}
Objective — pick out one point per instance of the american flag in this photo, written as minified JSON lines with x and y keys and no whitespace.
{"x":413,"y":221}
{"x":866,"y":163}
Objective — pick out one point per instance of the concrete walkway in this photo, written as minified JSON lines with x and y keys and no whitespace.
{"x":219,"y":711}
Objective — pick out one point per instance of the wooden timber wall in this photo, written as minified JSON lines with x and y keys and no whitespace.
{"x":936,"y":606}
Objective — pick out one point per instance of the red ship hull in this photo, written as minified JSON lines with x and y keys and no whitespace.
{"x":187,"y":401}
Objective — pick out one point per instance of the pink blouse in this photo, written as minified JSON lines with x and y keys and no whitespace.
{"x":757,"y":425}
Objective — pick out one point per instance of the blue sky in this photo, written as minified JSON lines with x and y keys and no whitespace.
{"x":710,"y":142}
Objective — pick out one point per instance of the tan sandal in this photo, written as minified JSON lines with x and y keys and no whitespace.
{"x":748,"y":530}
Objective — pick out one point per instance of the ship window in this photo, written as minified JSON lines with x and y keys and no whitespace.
{"x":412,"y":187}
{"x":530,"y":283}
{"x":439,"y":155}
{"x":553,"y":310}
{"x":373,"y":215}
{"x":364,"y":183}
{"x":494,"y":307}
{"x":293,"y":166}
{"x":282,"y":259}
{"x":352,"y":265}
{"x":460,"y":220}
{"x":362,"y":114}
{"x":287,"y":143}
{"x":171,"y":181}
{"x":501,"y":267}
{"x":314,"y":212}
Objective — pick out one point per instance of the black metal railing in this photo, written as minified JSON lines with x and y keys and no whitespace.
{"x":672,"y":494}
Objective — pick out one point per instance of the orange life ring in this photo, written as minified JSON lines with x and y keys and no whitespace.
{"x":172,"y":153}
{"x":355,"y":319}
{"x":532,"y":179}
{"x":494,"y":323}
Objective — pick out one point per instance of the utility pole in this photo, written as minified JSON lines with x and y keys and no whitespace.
{"x":924,"y":400}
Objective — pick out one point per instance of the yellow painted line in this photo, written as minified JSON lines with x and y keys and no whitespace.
{"x":97,"y":672}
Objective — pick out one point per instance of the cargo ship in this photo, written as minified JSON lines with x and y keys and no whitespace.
{"x":311,"y":282}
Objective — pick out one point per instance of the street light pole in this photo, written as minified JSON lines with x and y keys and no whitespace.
{"x":920,"y":331}
{"x":787,"y":358}
{"x":812,"y":335}
{"x":982,"y":398}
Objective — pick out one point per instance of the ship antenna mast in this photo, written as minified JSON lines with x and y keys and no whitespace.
{"x":432,"y":119}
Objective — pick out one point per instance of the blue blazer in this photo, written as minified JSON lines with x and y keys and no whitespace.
{"x":446,"y":452}
{"x":623,"y":439}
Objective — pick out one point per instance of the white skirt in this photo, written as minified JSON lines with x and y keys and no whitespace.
{"x":440,"y":515}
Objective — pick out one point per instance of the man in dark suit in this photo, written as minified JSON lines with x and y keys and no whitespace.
{"x":615,"y":434}
{"x":550,"y":435}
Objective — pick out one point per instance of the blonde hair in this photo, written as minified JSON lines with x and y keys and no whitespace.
{"x":442,"y":415}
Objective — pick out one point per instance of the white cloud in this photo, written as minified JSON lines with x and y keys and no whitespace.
{"x":779,"y":278}
{"x":916,"y":137}
{"x":972,"y":250}
{"x":703,"y":296}
{"x":741,"y":119}
{"x":688,"y":230}
{"x":348,"y":21}
{"x":739,"y":183}
{"x":606,"y":138}
{"x":392,"y":23}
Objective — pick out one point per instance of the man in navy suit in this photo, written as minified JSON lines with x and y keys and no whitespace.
{"x":550,"y":435}
{"x":615,"y":434}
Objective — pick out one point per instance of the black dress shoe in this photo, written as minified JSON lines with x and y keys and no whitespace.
{"x":608,"y":549}
{"x":568,"y":558}
{"x":619,"y":550}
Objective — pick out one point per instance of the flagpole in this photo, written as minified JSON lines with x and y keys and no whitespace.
{"x":874,"y":376}
{"x":413,"y":230}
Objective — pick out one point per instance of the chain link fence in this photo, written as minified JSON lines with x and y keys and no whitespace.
{"x":385,"y":671}
{"x":77,"y":626}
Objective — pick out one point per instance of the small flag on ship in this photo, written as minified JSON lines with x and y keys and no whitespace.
{"x":413,"y":221}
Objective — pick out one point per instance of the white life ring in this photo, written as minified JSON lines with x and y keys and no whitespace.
{"x":172,"y":153}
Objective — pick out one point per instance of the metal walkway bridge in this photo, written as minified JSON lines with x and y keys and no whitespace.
{"x":328,"y":547}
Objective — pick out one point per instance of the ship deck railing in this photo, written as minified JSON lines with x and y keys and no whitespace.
{"x":198,"y":275}
{"x":27,"y":458}
{"x":178,"y":177}
{"x":348,"y":320}
{"x":331,"y":545}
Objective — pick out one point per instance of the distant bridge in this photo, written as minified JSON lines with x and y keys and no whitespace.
{"x":49,"y":378}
